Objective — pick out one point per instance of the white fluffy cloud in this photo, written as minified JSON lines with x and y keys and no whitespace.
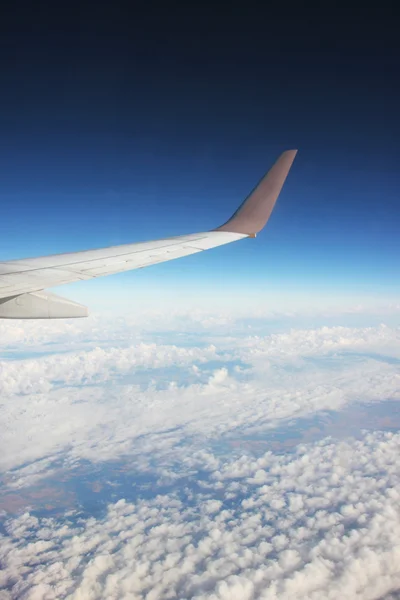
{"x":321,"y":523}
{"x":94,"y":404}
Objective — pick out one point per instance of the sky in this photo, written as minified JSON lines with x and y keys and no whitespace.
{"x":120,"y":127}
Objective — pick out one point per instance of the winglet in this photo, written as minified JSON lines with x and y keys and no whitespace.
{"x":253,"y":214}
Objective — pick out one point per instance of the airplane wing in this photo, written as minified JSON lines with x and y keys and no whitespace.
{"x":24,"y":283}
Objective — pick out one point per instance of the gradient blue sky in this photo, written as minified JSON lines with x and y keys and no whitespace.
{"x":118,"y":129}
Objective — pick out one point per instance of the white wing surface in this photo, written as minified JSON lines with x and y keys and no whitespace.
{"x":23,"y":282}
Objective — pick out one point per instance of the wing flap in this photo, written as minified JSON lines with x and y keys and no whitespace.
{"x":40,"y":305}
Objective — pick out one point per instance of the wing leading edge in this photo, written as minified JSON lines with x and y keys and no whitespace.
{"x":22,"y":281}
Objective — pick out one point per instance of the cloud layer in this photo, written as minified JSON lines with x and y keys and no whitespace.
{"x":322,"y":523}
{"x":95,"y":403}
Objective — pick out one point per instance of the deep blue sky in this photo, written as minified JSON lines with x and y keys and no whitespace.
{"x":121,"y":126}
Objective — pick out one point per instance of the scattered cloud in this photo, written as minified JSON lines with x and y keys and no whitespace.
{"x":320,"y":523}
{"x":319,"y":520}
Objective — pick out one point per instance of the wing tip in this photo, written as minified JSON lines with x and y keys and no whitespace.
{"x":253,"y":214}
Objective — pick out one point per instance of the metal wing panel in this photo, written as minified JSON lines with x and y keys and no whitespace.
{"x":112,"y":252}
{"x":34,"y":274}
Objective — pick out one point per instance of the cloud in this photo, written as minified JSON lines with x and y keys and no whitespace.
{"x":136,"y":325}
{"x":97,"y":403}
{"x":319,"y":523}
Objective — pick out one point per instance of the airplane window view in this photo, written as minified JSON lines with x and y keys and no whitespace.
{"x":199,"y":302}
